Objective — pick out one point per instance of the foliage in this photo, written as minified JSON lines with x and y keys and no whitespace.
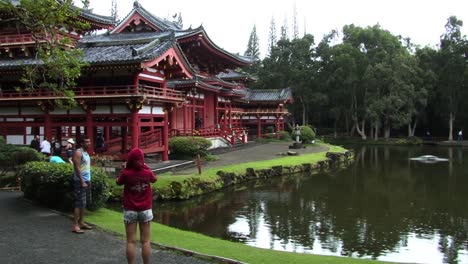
{"x":307,"y":134}
{"x":409,"y":141}
{"x":103,"y":160}
{"x":12,"y":157}
{"x":189,"y":146}
{"x":51,"y":184}
{"x":57,"y":64}
{"x":253,"y":47}
{"x":284,"y":135}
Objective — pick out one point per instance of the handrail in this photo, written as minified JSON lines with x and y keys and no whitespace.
{"x":84,"y":91}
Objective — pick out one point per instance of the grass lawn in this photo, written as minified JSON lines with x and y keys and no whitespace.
{"x":210,"y":174}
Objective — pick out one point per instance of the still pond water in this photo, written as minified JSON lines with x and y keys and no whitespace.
{"x":382,"y":207}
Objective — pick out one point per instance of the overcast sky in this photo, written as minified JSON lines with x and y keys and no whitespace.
{"x":229,"y":23}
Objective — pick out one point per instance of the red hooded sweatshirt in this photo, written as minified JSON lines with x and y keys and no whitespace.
{"x":136,"y":178}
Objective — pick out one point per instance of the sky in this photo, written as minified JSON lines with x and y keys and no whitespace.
{"x":229,"y":23}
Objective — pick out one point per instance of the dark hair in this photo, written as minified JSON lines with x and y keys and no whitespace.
{"x":80,"y":140}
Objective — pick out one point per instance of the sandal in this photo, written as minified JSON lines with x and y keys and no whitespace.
{"x":78,"y":231}
{"x":86,"y":227}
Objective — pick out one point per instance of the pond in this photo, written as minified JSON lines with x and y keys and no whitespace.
{"x":384,"y":206}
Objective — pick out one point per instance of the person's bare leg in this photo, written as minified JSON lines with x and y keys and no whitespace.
{"x":81,"y":220}
{"x":76,"y":219}
{"x":145,"y":241}
{"x":130,"y":230}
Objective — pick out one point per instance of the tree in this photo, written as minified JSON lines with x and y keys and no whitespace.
{"x":253,"y":50}
{"x":272,"y":40}
{"x":114,"y":11}
{"x":58,"y":63}
{"x":452,"y":69}
{"x":284,"y":30}
{"x":295,"y":25}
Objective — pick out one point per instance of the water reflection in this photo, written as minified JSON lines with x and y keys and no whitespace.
{"x":382,"y":207}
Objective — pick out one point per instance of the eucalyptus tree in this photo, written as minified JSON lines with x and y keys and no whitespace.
{"x":452,"y":70}
{"x":272,"y":39}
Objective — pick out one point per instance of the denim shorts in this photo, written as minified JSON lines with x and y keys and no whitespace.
{"x":138,"y":216}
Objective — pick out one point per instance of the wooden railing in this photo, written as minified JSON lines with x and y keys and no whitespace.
{"x":16,"y":39}
{"x":96,"y":91}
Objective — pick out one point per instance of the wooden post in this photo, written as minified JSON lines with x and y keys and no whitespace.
{"x":199,"y":164}
{"x":166,"y":136}
{"x":135,"y":129}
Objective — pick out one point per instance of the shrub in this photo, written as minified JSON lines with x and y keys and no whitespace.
{"x":11,"y":157}
{"x":270,"y":136}
{"x":307,"y":134}
{"x":284,"y":135}
{"x":409,"y":141}
{"x":51,"y":184}
{"x":189,"y":146}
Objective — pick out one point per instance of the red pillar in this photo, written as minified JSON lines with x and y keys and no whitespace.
{"x":259,"y":127}
{"x":277,"y":127}
{"x":135,"y":130}
{"x":166,"y":136}
{"x":123,"y":132}
{"x":107,"y":133}
{"x":90,"y":131}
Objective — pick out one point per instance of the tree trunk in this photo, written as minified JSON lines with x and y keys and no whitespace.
{"x":386,"y":130}
{"x":361,"y":130}
{"x":371,"y":131}
{"x":376,"y":132}
{"x":303,"y":113}
{"x":412,"y":128}
{"x":334,"y":129}
{"x":347,"y":124}
{"x":451,"y":119}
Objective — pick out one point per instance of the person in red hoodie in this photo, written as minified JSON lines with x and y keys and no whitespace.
{"x":137,"y":203}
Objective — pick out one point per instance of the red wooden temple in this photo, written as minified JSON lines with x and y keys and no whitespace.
{"x":147,"y":79}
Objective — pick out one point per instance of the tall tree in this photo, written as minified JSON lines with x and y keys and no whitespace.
{"x":295,"y":23}
{"x":453,"y":68}
{"x":272,"y":39}
{"x":115,"y":11}
{"x":58,"y":65}
{"x":284,"y":30}
{"x":253,"y":49}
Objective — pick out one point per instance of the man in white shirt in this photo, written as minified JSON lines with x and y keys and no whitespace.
{"x":45,"y":147}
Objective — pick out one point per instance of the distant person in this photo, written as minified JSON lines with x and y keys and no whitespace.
{"x":69,"y":148}
{"x":460,"y":135}
{"x":45,"y":147}
{"x":81,"y":184}
{"x":56,"y":147}
{"x":100,"y":145}
{"x":137,"y":203}
{"x":36,"y":143}
{"x":56,"y":159}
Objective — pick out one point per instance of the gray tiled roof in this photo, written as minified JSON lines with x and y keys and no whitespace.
{"x":267,"y":95}
{"x":88,"y":14}
{"x":15,"y":64}
{"x":162,"y":24}
{"x":112,"y":54}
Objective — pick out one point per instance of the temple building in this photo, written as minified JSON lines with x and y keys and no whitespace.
{"x":146,"y":80}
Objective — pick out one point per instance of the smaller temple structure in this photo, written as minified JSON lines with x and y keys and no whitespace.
{"x":147,"y":79}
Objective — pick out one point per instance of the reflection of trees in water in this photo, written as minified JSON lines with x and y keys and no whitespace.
{"x":370,"y":209}
{"x":367,"y":210}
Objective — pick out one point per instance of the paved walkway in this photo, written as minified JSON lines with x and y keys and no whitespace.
{"x":255,"y":153}
{"x":32,"y":234}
